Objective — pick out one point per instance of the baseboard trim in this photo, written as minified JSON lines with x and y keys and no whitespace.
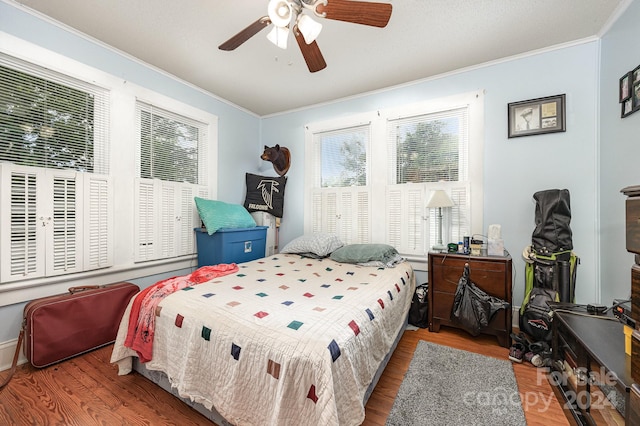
{"x":7,"y":350}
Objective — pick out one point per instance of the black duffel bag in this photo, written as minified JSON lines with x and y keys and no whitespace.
{"x":419,"y":310}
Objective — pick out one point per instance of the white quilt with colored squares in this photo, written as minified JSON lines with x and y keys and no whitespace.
{"x":286,"y":340}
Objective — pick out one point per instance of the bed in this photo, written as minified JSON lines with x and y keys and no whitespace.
{"x":284,"y":340}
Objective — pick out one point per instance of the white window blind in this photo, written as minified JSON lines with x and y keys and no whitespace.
{"x":172,"y":146}
{"x":342,"y":157}
{"x":51,"y":120}
{"x":429,"y":148}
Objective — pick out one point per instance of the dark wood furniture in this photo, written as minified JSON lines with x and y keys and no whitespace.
{"x":589,"y":361}
{"x":634,"y":410}
{"x":491,"y":273}
{"x":632,"y":220}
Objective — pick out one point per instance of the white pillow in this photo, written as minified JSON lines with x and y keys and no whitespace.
{"x":313,"y":245}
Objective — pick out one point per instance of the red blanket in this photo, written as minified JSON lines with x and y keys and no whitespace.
{"x":142,"y":319}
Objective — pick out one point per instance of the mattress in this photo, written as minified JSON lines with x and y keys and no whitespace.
{"x":285,"y":340}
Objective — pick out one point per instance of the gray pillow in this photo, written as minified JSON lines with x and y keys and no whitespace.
{"x":363,"y":253}
{"x":313,"y":245}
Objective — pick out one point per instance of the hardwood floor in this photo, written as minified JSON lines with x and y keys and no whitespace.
{"x":86,"y":390}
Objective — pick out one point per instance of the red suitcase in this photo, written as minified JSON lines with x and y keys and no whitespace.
{"x":59,"y":327}
{"x":63,"y":326}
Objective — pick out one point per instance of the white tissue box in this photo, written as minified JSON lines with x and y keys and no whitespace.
{"x":495,"y":247}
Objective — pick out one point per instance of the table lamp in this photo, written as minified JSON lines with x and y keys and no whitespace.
{"x":439,"y":200}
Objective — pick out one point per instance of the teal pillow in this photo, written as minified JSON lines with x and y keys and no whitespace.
{"x":363,"y":253}
{"x":218,"y":214}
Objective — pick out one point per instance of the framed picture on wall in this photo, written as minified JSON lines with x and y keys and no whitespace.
{"x":536,"y":116}
{"x":635,"y":95}
{"x":627,"y":107}
{"x":625,"y":86}
{"x":635,"y":75}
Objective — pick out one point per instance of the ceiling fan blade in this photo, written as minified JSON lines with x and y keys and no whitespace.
{"x":357,"y":12}
{"x":311,"y":52}
{"x":245,"y":34}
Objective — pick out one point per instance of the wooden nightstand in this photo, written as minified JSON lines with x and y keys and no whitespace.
{"x":491,"y":273}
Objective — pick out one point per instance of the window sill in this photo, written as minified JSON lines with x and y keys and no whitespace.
{"x":23,"y":291}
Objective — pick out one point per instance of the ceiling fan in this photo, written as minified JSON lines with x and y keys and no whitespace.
{"x":288,"y":16}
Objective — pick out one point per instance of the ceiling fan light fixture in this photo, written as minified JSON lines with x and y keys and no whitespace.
{"x":279,"y":12}
{"x":309,"y":28}
{"x":279,"y":36}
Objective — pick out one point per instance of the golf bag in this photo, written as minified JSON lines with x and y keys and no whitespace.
{"x":550,"y":271}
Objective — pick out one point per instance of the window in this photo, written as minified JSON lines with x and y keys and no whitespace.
{"x":374,"y":175}
{"x":55,"y":194}
{"x":427,"y":152}
{"x":340,"y":191}
{"x":76,"y":206}
{"x":172,"y":171}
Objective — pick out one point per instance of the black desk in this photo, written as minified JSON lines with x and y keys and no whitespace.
{"x":594,"y":346}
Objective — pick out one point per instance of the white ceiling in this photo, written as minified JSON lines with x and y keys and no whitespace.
{"x":423,"y":38}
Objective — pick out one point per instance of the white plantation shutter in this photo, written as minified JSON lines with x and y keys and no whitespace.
{"x":59,"y":222}
{"x":460,"y":217}
{"x":22,"y":235}
{"x":406,"y":220}
{"x":145,"y":211}
{"x":167,"y":216}
{"x":362,"y":225}
{"x":64,"y":236}
{"x":344,"y":212}
{"x":98,"y":196}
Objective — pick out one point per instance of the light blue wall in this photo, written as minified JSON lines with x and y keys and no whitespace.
{"x":514,"y":168}
{"x":619,"y":152}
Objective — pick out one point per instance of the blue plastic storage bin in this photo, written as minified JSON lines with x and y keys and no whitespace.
{"x":230,"y":245}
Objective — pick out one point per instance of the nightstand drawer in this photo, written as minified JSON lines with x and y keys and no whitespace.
{"x":490,"y":276}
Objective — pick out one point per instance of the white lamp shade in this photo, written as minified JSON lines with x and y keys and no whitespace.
{"x":440,"y":199}
{"x":309,"y":28}
{"x":278,"y":36}
{"x":279,"y":12}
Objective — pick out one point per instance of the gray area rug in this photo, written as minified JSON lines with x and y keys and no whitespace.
{"x":447,"y":386}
